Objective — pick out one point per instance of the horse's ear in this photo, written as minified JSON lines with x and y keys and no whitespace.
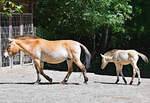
{"x":10,"y":39}
{"x":102,"y":55}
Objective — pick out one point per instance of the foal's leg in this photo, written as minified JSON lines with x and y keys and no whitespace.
{"x":117,"y":72}
{"x":133,"y":76}
{"x":82,"y":67}
{"x":121,"y":66}
{"x":136,"y":70}
{"x":139,"y":77}
{"x":70,"y":70}
{"x":43,"y":74}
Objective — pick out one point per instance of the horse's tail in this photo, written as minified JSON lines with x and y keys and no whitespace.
{"x":87,"y":56}
{"x":143,"y":57}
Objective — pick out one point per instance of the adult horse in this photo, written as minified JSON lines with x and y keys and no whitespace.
{"x":123,"y":57}
{"x":41,"y":50}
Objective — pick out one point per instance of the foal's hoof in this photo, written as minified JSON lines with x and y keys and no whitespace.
{"x":131,"y":82}
{"x":63,"y":82}
{"x":116,"y":82}
{"x":139,"y":83}
{"x":125,"y":82}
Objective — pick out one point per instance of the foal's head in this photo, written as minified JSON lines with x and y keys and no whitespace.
{"x":105,"y":60}
{"x":12,"y":49}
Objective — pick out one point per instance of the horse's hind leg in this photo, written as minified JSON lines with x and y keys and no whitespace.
{"x":82,"y":67}
{"x":70,"y":70}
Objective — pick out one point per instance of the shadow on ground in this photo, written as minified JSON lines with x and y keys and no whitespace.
{"x":42,"y":83}
{"x":114,"y":83}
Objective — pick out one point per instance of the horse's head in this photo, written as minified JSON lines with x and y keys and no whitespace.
{"x":105,"y":60}
{"x":12,"y":48}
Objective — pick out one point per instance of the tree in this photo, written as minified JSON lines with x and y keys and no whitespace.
{"x":9,"y":7}
{"x":62,"y":17}
{"x":109,"y":15}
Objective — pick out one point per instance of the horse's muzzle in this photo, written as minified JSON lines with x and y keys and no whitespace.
{"x":6,"y":54}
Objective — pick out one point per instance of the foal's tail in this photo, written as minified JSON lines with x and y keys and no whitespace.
{"x":143,"y":57}
{"x":87,"y":56}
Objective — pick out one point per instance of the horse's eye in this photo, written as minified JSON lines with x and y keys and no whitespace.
{"x":9,"y":41}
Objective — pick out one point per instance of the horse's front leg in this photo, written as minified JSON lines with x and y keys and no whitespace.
{"x":39,"y":65}
{"x":43,"y":74}
{"x":37,"y":72}
{"x":70,"y":70}
{"x":38,"y":76}
{"x":117,"y":72}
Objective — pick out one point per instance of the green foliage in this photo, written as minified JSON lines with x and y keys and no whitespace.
{"x":62,"y":17}
{"x":109,"y":13}
{"x":9,"y":7}
{"x":81,"y":16}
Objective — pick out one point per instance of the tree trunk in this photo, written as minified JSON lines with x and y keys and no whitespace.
{"x":94,"y":45}
{"x":104,"y":40}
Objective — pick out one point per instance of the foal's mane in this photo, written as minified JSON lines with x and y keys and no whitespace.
{"x":111,"y":52}
{"x":24,"y":37}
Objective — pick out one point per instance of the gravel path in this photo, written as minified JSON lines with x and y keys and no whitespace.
{"x":16,"y":86}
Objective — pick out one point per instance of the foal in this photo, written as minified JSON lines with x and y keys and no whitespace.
{"x":123,"y":57}
{"x":41,"y":50}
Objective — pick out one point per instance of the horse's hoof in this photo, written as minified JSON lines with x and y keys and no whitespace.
{"x":62,"y":82}
{"x":131,"y":82}
{"x":86,"y":80}
{"x":36,"y":83}
{"x":51,"y":81}
{"x":139,"y":83}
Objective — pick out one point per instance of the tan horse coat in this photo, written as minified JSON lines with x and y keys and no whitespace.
{"x":123,"y":57}
{"x":41,"y":50}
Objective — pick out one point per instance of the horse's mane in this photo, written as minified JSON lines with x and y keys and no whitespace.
{"x":23,"y":37}
{"x":111,"y":52}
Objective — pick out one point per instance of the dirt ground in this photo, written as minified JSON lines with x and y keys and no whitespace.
{"x":16,"y":86}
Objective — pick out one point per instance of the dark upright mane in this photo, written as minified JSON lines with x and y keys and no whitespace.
{"x":23,"y":37}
